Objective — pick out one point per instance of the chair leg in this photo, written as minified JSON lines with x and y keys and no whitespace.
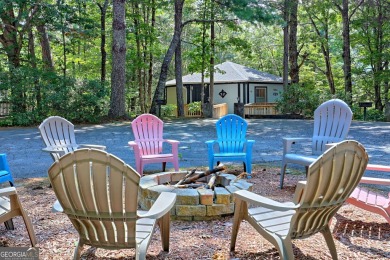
{"x":240,"y":212}
{"x":282,"y":171}
{"x":9,"y":224}
{"x":164,"y":165}
{"x":330,"y":242}
{"x":164,"y":225}
{"x":77,"y":251}
{"x":244,"y":166}
{"x":284,"y":247}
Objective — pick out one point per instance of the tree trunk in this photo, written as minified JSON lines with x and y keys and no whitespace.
{"x":285,"y":45}
{"x":158,"y":94}
{"x":33,"y":62}
{"x":293,"y":50}
{"x":118,"y":75}
{"x":45,"y":47}
{"x":210,"y":110}
{"x":103,"y":52}
{"x":324,"y":41}
{"x":347,"y":53}
{"x":179,"y":81}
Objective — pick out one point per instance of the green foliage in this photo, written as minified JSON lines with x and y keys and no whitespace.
{"x":371,"y":114}
{"x":76,"y":100}
{"x":168,"y":110}
{"x":298,"y":100}
{"x":194,"y":107}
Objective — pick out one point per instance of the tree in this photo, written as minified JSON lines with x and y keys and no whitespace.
{"x":319,"y":16}
{"x":158,"y":94}
{"x":346,"y":18}
{"x":103,"y":10}
{"x":118,"y":75}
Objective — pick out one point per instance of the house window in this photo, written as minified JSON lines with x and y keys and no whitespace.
{"x":260,"y":94}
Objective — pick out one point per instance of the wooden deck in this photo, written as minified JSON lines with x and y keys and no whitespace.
{"x":260,"y":109}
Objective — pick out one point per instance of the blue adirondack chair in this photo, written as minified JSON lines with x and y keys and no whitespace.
{"x":231,"y":143}
{"x":5,"y":173}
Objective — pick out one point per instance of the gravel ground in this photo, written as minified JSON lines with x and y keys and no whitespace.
{"x":357,"y":234}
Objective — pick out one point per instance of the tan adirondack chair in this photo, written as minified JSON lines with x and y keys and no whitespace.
{"x":11,"y":207}
{"x":58,"y":136}
{"x":330,"y":181}
{"x":99,"y":193}
{"x":370,"y":200}
{"x":332,"y":120}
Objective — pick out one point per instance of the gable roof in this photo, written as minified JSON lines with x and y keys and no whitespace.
{"x":230,"y":72}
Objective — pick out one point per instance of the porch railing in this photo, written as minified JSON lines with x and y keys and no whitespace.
{"x":219,"y":110}
{"x":254,"y":109}
{"x":193,"y":113}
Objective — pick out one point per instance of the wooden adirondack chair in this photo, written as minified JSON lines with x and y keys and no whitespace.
{"x":5,"y":173}
{"x":58,"y":136}
{"x":11,"y":207}
{"x":330,"y":181}
{"x":148,"y":143}
{"x":370,"y":200}
{"x":332,"y":120}
{"x":99,"y":193}
{"x":231,"y":143}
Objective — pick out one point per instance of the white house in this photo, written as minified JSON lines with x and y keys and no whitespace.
{"x":233,"y":83}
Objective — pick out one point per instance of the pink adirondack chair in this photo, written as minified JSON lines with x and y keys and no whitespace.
{"x":148,"y":143}
{"x":370,"y":200}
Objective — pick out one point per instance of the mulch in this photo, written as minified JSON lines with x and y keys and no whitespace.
{"x":358,"y":234}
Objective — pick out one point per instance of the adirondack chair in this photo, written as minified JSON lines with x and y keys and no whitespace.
{"x":370,"y":200}
{"x":58,"y":136}
{"x":99,"y":194}
{"x":11,"y":207}
{"x":330,"y":181}
{"x":231,"y":143}
{"x":5,"y":173}
{"x":148,"y":143}
{"x":332,"y":120}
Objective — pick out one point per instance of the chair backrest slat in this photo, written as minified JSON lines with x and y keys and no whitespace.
{"x":331,"y":179}
{"x":98,"y":192}
{"x":231,"y":133}
{"x":58,"y":132}
{"x":332,"y":120}
{"x":148,"y":133}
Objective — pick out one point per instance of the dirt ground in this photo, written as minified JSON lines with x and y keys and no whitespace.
{"x":358,"y":234}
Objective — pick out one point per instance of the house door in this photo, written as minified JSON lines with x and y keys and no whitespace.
{"x":260,"y":94}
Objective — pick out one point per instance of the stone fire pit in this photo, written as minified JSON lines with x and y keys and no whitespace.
{"x":192,"y":204}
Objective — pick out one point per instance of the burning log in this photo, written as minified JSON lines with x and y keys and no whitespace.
{"x":190,"y":178}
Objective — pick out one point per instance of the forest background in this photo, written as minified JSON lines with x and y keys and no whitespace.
{"x":91,"y":60}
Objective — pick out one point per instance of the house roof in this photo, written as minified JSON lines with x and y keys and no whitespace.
{"x":231,"y":72}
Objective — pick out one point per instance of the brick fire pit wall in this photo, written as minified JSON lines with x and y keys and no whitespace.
{"x":192,"y":204}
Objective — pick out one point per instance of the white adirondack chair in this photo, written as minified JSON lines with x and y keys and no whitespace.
{"x":58,"y":135}
{"x":332,"y":120}
{"x":330,"y":181}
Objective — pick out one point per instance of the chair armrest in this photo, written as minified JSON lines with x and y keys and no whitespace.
{"x":210,"y":143}
{"x":57,"y":207}
{"x":377,"y":167}
{"x":287,"y":142}
{"x":59,"y":148}
{"x":369,"y":180}
{"x":95,"y":146}
{"x":258,"y":200}
{"x":7,"y":191}
{"x":249,"y":145}
{"x":171,"y":141}
{"x":175,"y":145}
{"x":161,"y":206}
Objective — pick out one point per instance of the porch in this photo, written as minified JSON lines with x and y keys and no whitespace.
{"x":260,"y":110}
